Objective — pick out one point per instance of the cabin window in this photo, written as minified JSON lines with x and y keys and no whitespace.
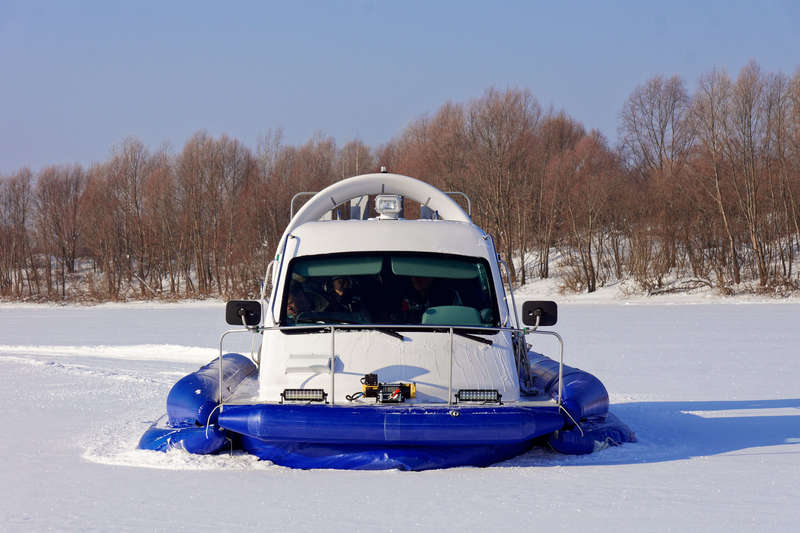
{"x":390,"y":288}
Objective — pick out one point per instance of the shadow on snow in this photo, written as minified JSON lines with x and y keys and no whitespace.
{"x":670,"y":431}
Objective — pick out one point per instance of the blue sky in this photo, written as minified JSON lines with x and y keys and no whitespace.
{"x":78,"y":77}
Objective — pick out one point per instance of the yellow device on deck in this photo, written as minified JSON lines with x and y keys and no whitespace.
{"x":387,"y":392}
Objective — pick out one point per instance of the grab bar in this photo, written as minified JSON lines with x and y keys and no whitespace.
{"x":510,"y":290}
{"x":449,"y":329}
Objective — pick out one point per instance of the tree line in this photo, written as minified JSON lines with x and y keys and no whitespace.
{"x":702,"y":188}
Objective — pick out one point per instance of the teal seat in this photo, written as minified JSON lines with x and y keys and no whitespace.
{"x":451,"y":315}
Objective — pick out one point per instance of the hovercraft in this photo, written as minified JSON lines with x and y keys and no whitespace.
{"x":386,"y":343}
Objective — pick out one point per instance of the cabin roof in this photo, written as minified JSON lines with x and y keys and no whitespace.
{"x":442,"y":236}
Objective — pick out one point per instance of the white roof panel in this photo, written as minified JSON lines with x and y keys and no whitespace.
{"x":442,"y":236}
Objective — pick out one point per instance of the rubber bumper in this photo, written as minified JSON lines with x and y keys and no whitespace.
{"x":192,"y":413}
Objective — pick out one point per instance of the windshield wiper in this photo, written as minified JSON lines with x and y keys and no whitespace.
{"x":391,"y":333}
{"x":339,"y":320}
{"x":473,"y":337}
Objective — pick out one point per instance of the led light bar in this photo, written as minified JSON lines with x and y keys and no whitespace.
{"x":303,"y":395}
{"x":478,"y":395}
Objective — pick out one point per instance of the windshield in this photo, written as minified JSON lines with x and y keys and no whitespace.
{"x":390,"y":288}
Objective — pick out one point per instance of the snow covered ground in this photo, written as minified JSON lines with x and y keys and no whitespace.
{"x":711,"y":389}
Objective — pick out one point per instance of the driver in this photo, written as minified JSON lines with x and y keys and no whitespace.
{"x":297,"y":302}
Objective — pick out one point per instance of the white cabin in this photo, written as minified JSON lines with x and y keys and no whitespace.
{"x":407,"y":282}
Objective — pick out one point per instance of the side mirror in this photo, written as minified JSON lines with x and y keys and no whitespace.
{"x":546,"y":312}
{"x":236,"y":309}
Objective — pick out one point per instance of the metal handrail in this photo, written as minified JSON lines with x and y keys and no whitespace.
{"x":261,"y":296}
{"x":399,"y":327}
{"x":311,"y":193}
{"x":263,"y":291}
{"x":510,"y":290}
{"x":527,"y":331}
{"x":221,"y":339}
{"x":469,"y":202}
{"x":450,"y":379}
{"x":333,"y":365}
{"x":295,"y":197}
{"x":281,"y":257}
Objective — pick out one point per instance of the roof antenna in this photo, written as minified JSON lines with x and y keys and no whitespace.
{"x":384,"y":170}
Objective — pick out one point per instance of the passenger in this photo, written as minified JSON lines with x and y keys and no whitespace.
{"x":342,"y":297}
{"x":423,"y":293}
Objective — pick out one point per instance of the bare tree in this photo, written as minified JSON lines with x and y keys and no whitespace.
{"x":18,"y":273}
{"x":500,"y":130}
{"x":654,"y":131}
{"x":711,"y":112}
{"x":58,"y":193}
{"x":588,"y":176}
{"x":558,"y":134}
{"x":703,"y":189}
